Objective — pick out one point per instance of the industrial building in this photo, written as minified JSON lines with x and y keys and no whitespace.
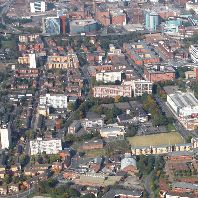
{"x":83,"y":26}
{"x":184,"y":105}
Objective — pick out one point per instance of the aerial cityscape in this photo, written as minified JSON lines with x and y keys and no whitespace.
{"x":98,"y":99}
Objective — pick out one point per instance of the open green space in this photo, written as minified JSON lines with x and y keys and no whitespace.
{"x":156,"y":139}
{"x":95,"y":152}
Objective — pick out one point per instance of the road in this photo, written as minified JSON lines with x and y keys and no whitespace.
{"x":5,"y":10}
{"x":183,"y":132}
{"x":23,"y":194}
{"x":147,"y":184}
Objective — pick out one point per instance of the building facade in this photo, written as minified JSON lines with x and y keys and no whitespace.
{"x":39,"y":146}
{"x":54,"y":100}
{"x":151,"y":20}
{"x":184,"y":105}
{"x":194,"y":53}
{"x":112,"y":91}
{"x":109,"y":76}
{"x":37,"y":6}
{"x":5,"y":133}
{"x":62,"y":62}
{"x":51,"y":25}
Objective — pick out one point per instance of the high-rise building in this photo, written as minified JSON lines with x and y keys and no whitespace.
{"x":5,"y":133}
{"x":32,"y":59}
{"x":51,"y":25}
{"x":37,"y":6}
{"x":151,"y":20}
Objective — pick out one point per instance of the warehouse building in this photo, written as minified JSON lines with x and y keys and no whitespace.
{"x":184,"y":105}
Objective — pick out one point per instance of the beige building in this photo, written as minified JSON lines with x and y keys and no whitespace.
{"x":63,"y":62}
{"x":24,"y":60}
{"x":107,"y":132}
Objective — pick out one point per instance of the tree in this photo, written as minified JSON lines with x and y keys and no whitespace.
{"x":88,"y":196}
{"x":24,"y":160}
{"x":7,"y":179}
{"x":71,"y":106}
{"x":117,"y":99}
{"x":131,"y":130}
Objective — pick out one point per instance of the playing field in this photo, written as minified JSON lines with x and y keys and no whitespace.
{"x":156,"y":139}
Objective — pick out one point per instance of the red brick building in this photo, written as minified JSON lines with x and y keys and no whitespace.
{"x":27,"y":73}
{"x":156,"y":73}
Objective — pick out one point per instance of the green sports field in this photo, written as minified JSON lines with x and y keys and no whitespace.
{"x":156,"y":139}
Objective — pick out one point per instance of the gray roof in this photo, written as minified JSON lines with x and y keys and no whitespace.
{"x":115,"y":192}
{"x":181,"y":153}
{"x":128,"y":161}
{"x":185,"y":185}
{"x":184,"y":99}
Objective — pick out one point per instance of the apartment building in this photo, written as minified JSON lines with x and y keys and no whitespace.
{"x":112,"y":91}
{"x":158,"y":72}
{"x":5,"y":134}
{"x":53,"y":100}
{"x":37,"y":6}
{"x":193,"y":49}
{"x":27,"y":73}
{"x":140,"y":86}
{"x":62,"y":62}
{"x":52,"y":146}
{"x":140,"y":53}
{"x":109,"y":76}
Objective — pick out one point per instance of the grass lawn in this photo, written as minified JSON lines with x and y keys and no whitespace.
{"x":95,"y":152}
{"x":8,"y":44}
{"x":156,"y":139}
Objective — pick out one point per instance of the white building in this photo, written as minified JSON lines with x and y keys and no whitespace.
{"x":93,"y":123}
{"x":39,"y":146}
{"x":140,"y":86}
{"x":112,"y":131}
{"x":194,"y":53}
{"x":32,"y":59}
{"x":37,"y":6}
{"x":5,"y":133}
{"x":54,"y":100}
{"x":112,"y":91}
{"x":190,"y":5}
{"x":184,"y":105}
{"x":108,"y":76}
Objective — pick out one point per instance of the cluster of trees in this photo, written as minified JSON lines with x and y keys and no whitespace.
{"x":183,"y":173}
{"x":150,"y":106}
{"x":131,"y":130}
{"x":85,"y":137}
{"x":151,"y":166}
{"x":63,"y":191}
{"x":117,"y":147}
{"x":44,"y":158}
{"x":94,"y":82}
{"x":110,"y":114}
